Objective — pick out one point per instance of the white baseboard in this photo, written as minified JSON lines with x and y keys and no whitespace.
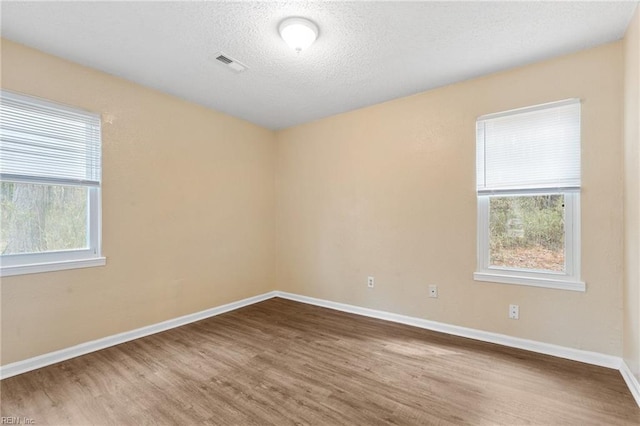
{"x":588,"y":357}
{"x":34,"y":363}
{"x":631,"y":380}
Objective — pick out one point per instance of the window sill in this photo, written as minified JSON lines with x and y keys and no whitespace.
{"x":36,"y":268}
{"x":559,"y":284}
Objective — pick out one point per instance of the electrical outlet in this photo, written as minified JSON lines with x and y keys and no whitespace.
{"x":433,"y":291}
{"x":370,"y":282}
{"x":514,"y":311}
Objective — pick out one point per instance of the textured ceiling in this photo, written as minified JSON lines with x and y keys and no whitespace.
{"x":367,"y":52}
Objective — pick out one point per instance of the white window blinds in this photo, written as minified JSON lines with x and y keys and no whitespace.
{"x":44,"y":142}
{"x":529,"y":149}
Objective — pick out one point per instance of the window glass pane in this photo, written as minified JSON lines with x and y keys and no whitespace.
{"x":42,"y":218}
{"x":527,"y":232}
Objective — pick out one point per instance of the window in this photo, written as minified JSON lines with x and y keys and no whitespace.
{"x":50,"y":172}
{"x":528,"y":187}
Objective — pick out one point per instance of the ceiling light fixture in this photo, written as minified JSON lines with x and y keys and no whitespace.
{"x":299,"y":33}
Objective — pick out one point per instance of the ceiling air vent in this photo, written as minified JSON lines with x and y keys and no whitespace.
{"x":230,"y":63}
{"x":224,"y":59}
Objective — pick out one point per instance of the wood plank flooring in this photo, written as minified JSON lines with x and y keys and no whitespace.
{"x":285,"y":363}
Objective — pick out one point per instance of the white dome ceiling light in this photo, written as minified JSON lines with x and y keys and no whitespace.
{"x":299,"y":33}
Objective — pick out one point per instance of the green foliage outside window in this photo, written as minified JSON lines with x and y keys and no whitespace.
{"x":527,"y":232}
{"x":39,"y":218}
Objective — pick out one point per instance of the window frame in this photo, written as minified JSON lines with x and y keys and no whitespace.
{"x":567,"y":280}
{"x":29,"y":263}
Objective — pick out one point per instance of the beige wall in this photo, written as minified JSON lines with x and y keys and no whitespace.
{"x":632,"y":196}
{"x":190,"y":208}
{"x":188,"y":213}
{"x":389,"y":191}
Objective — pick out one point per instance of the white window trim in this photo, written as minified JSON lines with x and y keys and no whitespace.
{"x":36,"y":268}
{"x":569,"y":280}
{"x":31,"y":263}
{"x":34,"y":263}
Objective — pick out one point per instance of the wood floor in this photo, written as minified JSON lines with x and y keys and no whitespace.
{"x":281,"y":362}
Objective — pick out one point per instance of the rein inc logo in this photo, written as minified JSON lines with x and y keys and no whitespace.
{"x":15,"y":420}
